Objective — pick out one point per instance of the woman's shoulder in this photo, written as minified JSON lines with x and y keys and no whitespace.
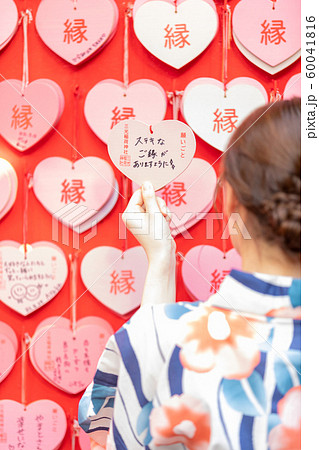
{"x":166,"y":312}
{"x":155,"y":327}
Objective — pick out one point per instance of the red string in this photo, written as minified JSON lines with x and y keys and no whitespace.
{"x":176,"y":102}
{"x":26,"y":188}
{"x":73,"y":258}
{"x":75,"y":432}
{"x":226,"y":20}
{"x":174,"y":99}
{"x":125,"y":188}
{"x":128,"y":14}
{"x":76,"y":97}
{"x":275,"y":93}
{"x":25,"y":339}
{"x":26,"y":18}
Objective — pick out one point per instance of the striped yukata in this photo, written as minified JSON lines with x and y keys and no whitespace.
{"x":220,"y":374}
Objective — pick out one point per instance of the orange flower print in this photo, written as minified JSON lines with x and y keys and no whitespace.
{"x":95,"y":446}
{"x":292,"y":313}
{"x":221,"y":339}
{"x":287,"y":435}
{"x":182,"y":419}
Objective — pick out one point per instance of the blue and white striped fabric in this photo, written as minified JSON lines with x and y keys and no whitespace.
{"x":221,"y":374}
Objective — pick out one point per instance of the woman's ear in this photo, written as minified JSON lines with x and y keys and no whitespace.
{"x":230,"y":202}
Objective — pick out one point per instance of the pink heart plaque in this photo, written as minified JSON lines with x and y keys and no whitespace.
{"x":204,"y":269}
{"x":274,"y":32}
{"x":156,"y":153}
{"x":41,"y":425}
{"x":68,"y":360}
{"x":25,"y":120}
{"x":88,"y":185}
{"x":5,"y":186}
{"x":172,"y":32}
{"x":8,"y":349}
{"x":28,"y":284}
{"x":8,"y":187}
{"x":76,"y":30}
{"x":108,"y":103}
{"x":84,"y":440}
{"x":293,"y":87}
{"x":213,"y":116}
{"x":116,"y":279}
{"x":8,"y":21}
{"x":181,"y":195}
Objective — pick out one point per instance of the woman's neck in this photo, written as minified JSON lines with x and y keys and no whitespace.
{"x":262,"y":257}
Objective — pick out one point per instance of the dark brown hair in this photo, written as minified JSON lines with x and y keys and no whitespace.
{"x":263,"y":166}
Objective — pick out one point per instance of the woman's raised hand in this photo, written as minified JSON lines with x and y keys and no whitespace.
{"x":147,"y":218}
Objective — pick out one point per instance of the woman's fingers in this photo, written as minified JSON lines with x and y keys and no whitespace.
{"x":149,"y":197}
{"x":136,"y":202}
{"x":133,"y":208}
{"x":162,"y":206}
{"x":144,"y":200}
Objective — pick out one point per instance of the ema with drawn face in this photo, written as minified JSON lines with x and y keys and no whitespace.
{"x":21,"y":292}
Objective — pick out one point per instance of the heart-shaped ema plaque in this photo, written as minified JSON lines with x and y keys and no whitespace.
{"x":272,"y":41}
{"x":8,"y":21}
{"x":8,"y":350}
{"x":54,"y":342}
{"x":175,"y":32}
{"x":41,"y":424}
{"x":205,"y":267}
{"x":78,"y":194}
{"x":76,"y":31}
{"x":115,"y":278}
{"x":181,"y":195}
{"x":109,"y":102}
{"x":156,"y":153}
{"x":8,"y":187}
{"x":293,"y":87}
{"x":214,"y":116}
{"x":26,"y":119}
{"x":29,"y":283}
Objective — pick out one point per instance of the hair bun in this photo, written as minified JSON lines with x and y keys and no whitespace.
{"x":283,"y":216}
{"x":263,"y":168}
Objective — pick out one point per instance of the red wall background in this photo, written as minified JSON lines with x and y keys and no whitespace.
{"x":108,"y":63}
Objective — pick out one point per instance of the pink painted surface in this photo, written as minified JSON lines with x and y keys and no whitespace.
{"x":115,"y":279}
{"x":45,"y":412}
{"x":259,"y":11}
{"x":5,"y":186}
{"x":204,"y":268}
{"x":8,"y":350}
{"x":181,"y":195}
{"x":205,"y":107}
{"x":86,"y":443}
{"x":84,"y":440}
{"x":25,"y":120}
{"x":53,"y":178}
{"x":293,"y":87}
{"x":108,"y":102}
{"x":101,"y":213}
{"x":139,"y":3}
{"x":68,"y":360}
{"x":76,"y":31}
{"x":153,"y":20}
{"x":171,"y":143}
{"x":8,"y":21}
{"x":34,"y":281}
{"x":8,"y":187}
